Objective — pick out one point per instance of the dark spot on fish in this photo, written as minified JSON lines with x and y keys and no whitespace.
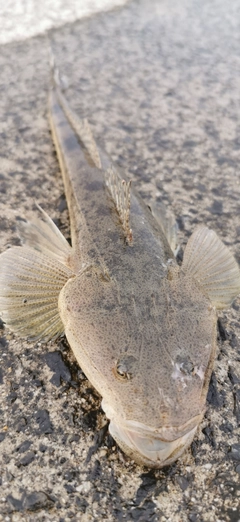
{"x":91,"y":252}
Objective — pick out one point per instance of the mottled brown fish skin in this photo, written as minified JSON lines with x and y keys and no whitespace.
{"x":126,"y":305}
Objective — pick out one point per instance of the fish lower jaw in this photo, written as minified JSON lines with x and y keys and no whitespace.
{"x":149,"y":446}
{"x":149,"y":450}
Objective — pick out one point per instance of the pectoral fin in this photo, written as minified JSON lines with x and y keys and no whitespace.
{"x":44,"y":236}
{"x":31,"y":278}
{"x":30,"y":283}
{"x":210,"y":262}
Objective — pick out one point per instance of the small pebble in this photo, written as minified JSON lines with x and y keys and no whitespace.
{"x":207,"y":466}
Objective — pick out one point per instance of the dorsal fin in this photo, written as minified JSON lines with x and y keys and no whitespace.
{"x":120,"y":193}
{"x":167,"y":222}
{"x":82,"y":129}
{"x":89,"y":143}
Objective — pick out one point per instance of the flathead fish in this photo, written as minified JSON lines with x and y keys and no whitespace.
{"x":142,"y":328}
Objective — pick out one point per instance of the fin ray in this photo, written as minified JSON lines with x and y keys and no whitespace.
{"x":30,"y":284}
{"x":44,"y":236}
{"x":167,"y":222}
{"x":120,"y":193}
{"x":210,"y":262}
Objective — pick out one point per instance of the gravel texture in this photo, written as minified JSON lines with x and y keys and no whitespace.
{"x":160,"y":86}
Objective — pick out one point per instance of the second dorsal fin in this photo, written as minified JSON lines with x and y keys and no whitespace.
{"x":120,"y":193}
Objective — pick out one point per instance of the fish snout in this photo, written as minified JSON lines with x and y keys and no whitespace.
{"x":148,"y":446}
{"x":149,"y":450}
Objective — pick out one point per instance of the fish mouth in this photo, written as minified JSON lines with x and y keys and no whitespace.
{"x":149,"y":450}
{"x":152,"y":447}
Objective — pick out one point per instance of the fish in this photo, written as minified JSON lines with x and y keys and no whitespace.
{"x":141,"y":325}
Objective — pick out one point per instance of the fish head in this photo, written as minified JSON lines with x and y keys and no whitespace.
{"x":149,"y":353}
{"x":176,"y":376}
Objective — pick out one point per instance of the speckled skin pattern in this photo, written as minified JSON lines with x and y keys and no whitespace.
{"x":126,"y":307}
{"x":160,"y":88}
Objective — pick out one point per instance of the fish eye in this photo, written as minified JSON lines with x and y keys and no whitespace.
{"x":122,"y":371}
{"x":186,"y":366}
{"x":126,"y":367}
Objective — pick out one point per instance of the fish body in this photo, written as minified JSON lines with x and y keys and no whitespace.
{"x":142,"y":328}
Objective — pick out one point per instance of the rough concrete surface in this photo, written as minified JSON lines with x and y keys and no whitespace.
{"x":160,"y":83}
